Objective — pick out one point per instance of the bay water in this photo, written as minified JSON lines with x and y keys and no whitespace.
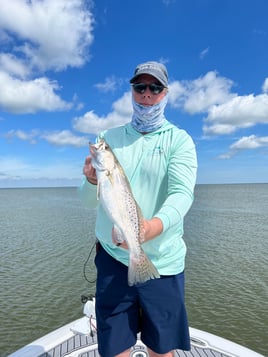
{"x":46,"y":235}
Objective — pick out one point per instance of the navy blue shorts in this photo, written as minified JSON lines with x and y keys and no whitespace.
{"x":155,"y":308}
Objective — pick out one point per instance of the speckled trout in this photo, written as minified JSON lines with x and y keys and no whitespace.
{"x":116,"y":197}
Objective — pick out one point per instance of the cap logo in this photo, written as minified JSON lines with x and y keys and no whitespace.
{"x":147,"y":66}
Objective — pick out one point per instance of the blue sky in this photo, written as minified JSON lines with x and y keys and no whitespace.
{"x":64,"y":76}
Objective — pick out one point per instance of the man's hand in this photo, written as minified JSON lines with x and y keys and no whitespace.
{"x":89,"y":171}
{"x":118,"y":239}
{"x":151,"y":229}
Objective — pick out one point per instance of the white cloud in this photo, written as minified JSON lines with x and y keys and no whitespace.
{"x":92,"y":123}
{"x":251,"y":142}
{"x":265,"y":86}
{"x":52,"y":34}
{"x":239,"y":112}
{"x":19,"y":96}
{"x":22,"y":135}
{"x":14,"y":66}
{"x":199,"y":95}
{"x":204,"y":53}
{"x":218,"y":129}
{"x":177,"y":94}
{"x":227,"y":111}
{"x":65,"y":138}
{"x":57,"y":138}
{"x":109,"y":85}
{"x":43,"y":35}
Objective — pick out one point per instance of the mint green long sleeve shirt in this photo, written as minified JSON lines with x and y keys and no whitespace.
{"x":161,"y":168}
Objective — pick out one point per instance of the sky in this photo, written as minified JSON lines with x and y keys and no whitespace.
{"x":64,"y":77}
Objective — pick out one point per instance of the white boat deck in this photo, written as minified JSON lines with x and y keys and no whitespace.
{"x":86,"y":346}
{"x":79,"y":339}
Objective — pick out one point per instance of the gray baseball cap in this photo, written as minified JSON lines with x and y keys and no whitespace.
{"x":155,"y":69}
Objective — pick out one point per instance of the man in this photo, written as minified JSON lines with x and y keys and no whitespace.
{"x":159,"y":160}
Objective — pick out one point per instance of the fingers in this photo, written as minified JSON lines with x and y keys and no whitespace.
{"x":88,"y":160}
{"x":118,"y":239}
{"x":92,"y":151}
{"x":89,"y":171}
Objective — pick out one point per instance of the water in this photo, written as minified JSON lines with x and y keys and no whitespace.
{"x":46,"y":235}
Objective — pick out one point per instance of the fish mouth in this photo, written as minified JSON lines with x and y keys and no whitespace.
{"x":101,"y":145}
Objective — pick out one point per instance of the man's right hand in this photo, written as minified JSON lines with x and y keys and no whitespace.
{"x":89,"y":171}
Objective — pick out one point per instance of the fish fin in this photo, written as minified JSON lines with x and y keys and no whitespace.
{"x":118,"y":235}
{"x":141,"y":269}
{"x":109,"y":174}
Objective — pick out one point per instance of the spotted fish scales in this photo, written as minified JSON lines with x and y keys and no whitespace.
{"x":116,"y":197}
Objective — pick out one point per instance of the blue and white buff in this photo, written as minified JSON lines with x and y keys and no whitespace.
{"x":146,"y":119}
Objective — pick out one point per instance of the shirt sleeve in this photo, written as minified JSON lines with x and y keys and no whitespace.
{"x":182,"y":169}
{"x":88,"y":194}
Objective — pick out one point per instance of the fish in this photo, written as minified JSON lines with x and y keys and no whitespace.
{"x":116,"y":197}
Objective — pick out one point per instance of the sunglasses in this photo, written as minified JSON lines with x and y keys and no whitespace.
{"x":141,"y":88}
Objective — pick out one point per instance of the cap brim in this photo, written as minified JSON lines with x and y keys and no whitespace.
{"x":133,"y":79}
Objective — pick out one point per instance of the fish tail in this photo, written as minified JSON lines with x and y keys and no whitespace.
{"x":141,"y":269}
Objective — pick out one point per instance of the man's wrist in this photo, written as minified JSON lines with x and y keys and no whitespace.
{"x":92,"y":182}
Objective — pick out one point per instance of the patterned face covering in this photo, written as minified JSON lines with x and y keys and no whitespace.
{"x":146,"y":119}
